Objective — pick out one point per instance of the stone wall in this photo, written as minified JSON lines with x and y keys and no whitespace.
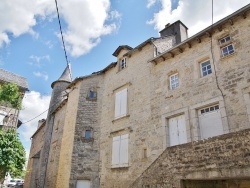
{"x":86,"y":148}
{"x":226,"y":156}
{"x":31,"y":177}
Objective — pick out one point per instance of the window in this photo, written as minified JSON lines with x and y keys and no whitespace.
{"x":210,"y":121}
{"x":177,"y":130}
{"x":87,"y":133}
{"x":174,"y":81}
{"x":225,"y":39}
{"x":123,"y":63}
{"x":120,"y":151}
{"x":227,"y":48}
{"x":82,"y":184}
{"x":205,"y":68}
{"x":121,"y":103}
{"x":92,"y":95}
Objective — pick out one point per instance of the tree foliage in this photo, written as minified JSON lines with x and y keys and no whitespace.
{"x":12,"y":153}
{"x":10,"y":95}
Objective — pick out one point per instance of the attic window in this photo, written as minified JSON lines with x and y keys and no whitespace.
{"x":92,"y":94}
{"x":123,"y":63}
{"x":226,"y":46}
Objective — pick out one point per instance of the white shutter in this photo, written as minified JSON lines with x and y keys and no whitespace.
{"x":124,"y":93}
{"x":121,"y":103}
{"x":116,"y":151}
{"x":83,"y":184}
{"x":124,"y":150}
{"x":173,"y":131}
{"x":117,"y":104}
{"x":182,"y":129}
{"x":210,"y":124}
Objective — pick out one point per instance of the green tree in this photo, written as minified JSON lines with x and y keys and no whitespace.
{"x":12,"y":154}
{"x":10,"y":95}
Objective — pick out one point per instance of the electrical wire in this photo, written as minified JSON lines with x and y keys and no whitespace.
{"x":58,"y":16}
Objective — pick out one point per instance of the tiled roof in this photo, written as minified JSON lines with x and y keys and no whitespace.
{"x":6,"y":76}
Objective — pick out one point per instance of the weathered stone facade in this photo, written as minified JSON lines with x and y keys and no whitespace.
{"x":225,"y":157}
{"x":155,"y":109}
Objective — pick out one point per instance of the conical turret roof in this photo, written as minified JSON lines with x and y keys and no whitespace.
{"x":65,"y":77}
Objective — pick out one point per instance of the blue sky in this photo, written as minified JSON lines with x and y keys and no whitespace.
{"x":30,"y":44}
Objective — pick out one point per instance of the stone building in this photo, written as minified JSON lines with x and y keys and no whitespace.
{"x":8,"y":114}
{"x":172,"y":112}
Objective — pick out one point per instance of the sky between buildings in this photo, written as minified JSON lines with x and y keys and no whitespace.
{"x":30,"y":42}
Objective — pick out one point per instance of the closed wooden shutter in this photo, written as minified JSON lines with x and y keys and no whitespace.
{"x":177,"y":130}
{"x":124,"y":151}
{"x":182,"y":129}
{"x":210,"y":124}
{"x":83,"y":184}
{"x":117,"y":104}
{"x":121,"y":103}
{"x":116,"y":151}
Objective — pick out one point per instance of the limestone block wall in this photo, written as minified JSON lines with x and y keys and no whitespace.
{"x":37,"y":143}
{"x":228,"y":85}
{"x":55,"y":147}
{"x":145,"y":140}
{"x":65,"y":157}
{"x":222,"y":157}
{"x":86,"y":146}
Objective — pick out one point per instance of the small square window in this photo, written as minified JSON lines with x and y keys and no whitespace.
{"x":227,"y":50}
{"x":225,"y":39}
{"x":174,"y":81}
{"x":92,"y":95}
{"x":206,"y":68}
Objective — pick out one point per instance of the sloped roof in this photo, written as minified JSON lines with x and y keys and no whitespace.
{"x":6,"y":76}
{"x":66,"y":76}
{"x":117,"y":51}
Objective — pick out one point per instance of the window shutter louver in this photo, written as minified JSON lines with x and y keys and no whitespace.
{"x":116,"y":151}
{"x":124,"y":102}
{"x":124,"y":151}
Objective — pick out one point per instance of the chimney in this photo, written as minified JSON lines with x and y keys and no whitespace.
{"x":40,"y":122}
{"x":178,"y":29}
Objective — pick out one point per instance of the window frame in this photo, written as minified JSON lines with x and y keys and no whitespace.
{"x":201,"y":67}
{"x":224,"y":43}
{"x":122,"y":63}
{"x":174,"y":85}
{"x":120,"y":152}
{"x":121,"y":103}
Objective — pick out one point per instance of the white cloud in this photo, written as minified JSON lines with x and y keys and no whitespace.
{"x":86,"y":24}
{"x":86,"y":21}
{"x":33,"y":105}
{"x":43,"y":75}
{"x":150,"y":3}
{"x":18,"y":17}
{"x":37,"y":60}
{"x":196,"y":15}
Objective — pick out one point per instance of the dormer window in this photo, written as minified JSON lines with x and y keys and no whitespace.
{"x":123,"y":63}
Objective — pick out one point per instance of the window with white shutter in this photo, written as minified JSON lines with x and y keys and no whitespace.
{"x":177,"y":130}
{"x":120,"y":151}
{"x":121,"y":103}
{"x":210,"y":122}
{"x":83,"y":184}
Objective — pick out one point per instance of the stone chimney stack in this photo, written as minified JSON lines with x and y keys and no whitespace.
{"x":178,"y":29}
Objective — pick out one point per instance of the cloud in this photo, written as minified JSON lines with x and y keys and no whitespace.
{"x":150,"y":3}
{"x":37,"y":60}
{"x":86,"y":21}
{"x":43,"y":75}
{"x":19,"y":16}
{"x":196,"y":15}
{"x":33,"y":105}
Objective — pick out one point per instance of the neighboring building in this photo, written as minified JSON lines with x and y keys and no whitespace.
{"x":171,"y":112}
{"x":9,"y":115}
